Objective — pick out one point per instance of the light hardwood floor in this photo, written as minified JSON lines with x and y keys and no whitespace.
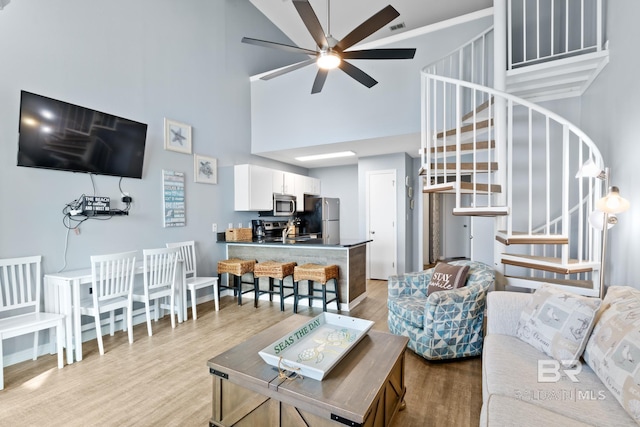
{"x":163,"y":380}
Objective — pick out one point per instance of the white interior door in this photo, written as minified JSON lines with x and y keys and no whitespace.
{"x":382,"y":224}
{"x":456,"y":241}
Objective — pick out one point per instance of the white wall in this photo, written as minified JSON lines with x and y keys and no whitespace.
{"x":143,"y":60}
{"x":610,"y":115}
{"x":342,"y":182}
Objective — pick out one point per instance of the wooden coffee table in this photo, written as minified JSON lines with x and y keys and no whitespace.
{"x":365,"y":388}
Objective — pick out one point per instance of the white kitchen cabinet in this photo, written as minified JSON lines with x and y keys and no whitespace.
{"x":253,"y":188}
{"x":305,"y":185}
{"x":284,"y":182}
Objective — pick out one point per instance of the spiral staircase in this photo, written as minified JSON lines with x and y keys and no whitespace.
{"x":486,"y":139}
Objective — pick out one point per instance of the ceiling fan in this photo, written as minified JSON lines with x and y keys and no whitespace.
{"x":332,"y":53}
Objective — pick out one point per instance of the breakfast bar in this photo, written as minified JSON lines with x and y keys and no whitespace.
{"x":349,"y":255}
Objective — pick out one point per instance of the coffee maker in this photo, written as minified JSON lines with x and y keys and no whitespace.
{"x":258,"y":228}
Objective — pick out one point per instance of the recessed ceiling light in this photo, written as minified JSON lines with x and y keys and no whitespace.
{"x":325,"y":156}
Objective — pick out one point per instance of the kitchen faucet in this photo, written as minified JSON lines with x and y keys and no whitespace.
{"x":287,"y":230}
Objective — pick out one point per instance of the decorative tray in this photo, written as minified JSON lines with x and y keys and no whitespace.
{"x":316,"y":347}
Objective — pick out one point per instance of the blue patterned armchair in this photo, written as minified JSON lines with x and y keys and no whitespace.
{"x":447,"y":324}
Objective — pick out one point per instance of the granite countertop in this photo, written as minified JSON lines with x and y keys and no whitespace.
{"x":301,"y":241}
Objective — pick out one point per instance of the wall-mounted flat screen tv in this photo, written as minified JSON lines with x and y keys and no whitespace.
{"x":58,"y":135}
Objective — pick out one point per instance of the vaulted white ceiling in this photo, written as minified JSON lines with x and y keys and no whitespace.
{"x":348,"y":14}
{"x":416,"y":16}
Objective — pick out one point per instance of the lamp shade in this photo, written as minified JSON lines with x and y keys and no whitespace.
{"x":590,"y":170}
{"x":612,"y":202}
{"x":597,"y":218}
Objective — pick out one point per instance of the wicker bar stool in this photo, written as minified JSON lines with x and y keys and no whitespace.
{"x":274,"y":271}
{"x":315,"y":273}
{"x":235,"y":267}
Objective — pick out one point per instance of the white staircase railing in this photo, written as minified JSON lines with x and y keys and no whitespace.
{"x":543,"y":150}
{"x":504,"y":156}
{"x":542,"y":30}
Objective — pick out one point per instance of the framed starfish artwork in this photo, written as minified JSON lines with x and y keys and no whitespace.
{"x":177,"y":136}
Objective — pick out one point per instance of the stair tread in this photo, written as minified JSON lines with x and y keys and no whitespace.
{"x":467,"y":166}
{"x":464,"y":147}
{"x":525,"y":238}
{"x":466,"y":128}
{"x":551,"y":264}
{"x":489,"y":211}
{"x":465,"y":187}
{"x":587,"y":284}
{"x":479,"y":109}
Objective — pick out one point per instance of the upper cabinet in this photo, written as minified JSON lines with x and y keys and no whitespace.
{"x":284,"y":182}
{"x":305,"y":185}
{"x":254,"y":187}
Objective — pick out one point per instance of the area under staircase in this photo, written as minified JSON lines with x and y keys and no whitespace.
{"x":506,"y":157}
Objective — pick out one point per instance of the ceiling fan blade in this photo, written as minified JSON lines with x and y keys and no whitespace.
{"x":357,"y":74}
{"x":368,"y":27}
{"x":287,"y":69}
{"x":280,"y":46}
{"x":318,"y":83}
{"x":379,"y":54}
{"x":311,"y":21}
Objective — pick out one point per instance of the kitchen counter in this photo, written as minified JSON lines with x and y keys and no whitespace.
{"x":350,"y":255}
{"x":301,"y":240}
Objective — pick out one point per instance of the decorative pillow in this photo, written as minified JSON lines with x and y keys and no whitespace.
{"x":558,"y":323}
{"x":613,"y":351}
{"x":447,"y":276}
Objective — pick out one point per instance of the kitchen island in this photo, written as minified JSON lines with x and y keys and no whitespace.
{"x":350,"y":255}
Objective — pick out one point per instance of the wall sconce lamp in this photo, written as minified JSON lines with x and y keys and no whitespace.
{"x":606,"y":209}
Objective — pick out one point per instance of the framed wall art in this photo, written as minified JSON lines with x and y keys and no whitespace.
{"x":177,"y":136}
{"x":173,"y":199}
{"x":205,"y":169}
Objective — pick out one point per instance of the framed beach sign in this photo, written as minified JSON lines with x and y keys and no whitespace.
{"x":173,"y":207}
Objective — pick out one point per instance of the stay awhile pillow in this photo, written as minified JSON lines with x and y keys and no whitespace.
{"x":558,"y":323}
{"x":446,"y":276}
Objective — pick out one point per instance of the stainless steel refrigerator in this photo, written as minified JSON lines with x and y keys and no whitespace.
{"x":322,"y":216}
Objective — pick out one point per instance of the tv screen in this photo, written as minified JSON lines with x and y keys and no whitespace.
{"x":58,"y":135}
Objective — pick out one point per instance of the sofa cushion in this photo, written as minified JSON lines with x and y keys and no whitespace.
{"x":613,"y":351}
{"x":510,"y":369}
{"x":558,"y":323}
{"x":409,"y":309}
{"x":507,"y":411}
{"x":446,"y":277}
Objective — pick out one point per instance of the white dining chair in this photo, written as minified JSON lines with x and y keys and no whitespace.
{"x":195,"y":282}
{"x":159,"y":283}
{"x":20,"y":280}
{"x":112,"y":289}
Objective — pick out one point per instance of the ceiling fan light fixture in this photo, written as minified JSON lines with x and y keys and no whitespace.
{"x":328,"y":60}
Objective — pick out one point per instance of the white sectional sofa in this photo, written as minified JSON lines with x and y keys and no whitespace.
{"x":513,"y":393}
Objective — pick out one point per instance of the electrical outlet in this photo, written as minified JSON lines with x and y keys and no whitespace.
{"x":214,"y":227}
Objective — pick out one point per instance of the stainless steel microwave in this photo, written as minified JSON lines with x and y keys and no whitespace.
{"x":284,"y":205}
